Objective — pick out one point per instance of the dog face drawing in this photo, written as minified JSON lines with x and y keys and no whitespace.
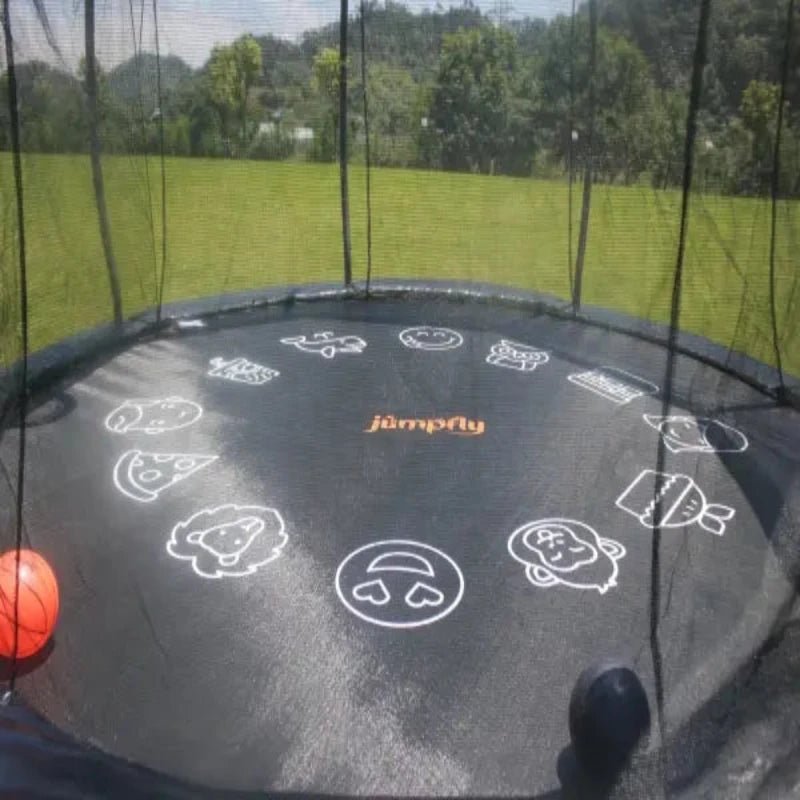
{"x":153,"y":416}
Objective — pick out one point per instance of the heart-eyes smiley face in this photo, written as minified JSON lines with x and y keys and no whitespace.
{"x":426,"y":337}
{"x":399,"y":583}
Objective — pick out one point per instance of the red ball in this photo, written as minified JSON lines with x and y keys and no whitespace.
{"x":37,"y":603}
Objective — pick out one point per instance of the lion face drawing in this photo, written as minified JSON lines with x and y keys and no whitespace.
{"x":229,"y":540}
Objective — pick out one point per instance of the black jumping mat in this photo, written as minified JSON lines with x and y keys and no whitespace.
{"x":367,"y":548}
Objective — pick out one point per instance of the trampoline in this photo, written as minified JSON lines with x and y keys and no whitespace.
{"x":362,"y":538}
{"x":390,"y":534}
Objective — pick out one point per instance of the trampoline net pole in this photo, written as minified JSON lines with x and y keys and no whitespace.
{"x":775,"y":195}
{"x":698,"y":66}
{"x":97,"y":167}
{"x":583,"y":235}
{"x":22,"y":394}
{"x":162,"y":163}
{"x":348,"y":266}
{"x":367,"y":164}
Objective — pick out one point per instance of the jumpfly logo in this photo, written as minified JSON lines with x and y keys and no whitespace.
{"x":460,"y":426}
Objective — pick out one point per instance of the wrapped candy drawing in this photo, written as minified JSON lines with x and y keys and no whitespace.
{"x":679,"y":502}
{"x":683,"y":434}
{"x":616,"y":385}
{"x":517,"y":356}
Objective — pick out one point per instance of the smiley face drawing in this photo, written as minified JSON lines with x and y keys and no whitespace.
{"x":425,"y":337}
{"x":229,"y":541}
{"x":153,"y":416}
{"x":566,"y":552}
{"x":398,"y":583}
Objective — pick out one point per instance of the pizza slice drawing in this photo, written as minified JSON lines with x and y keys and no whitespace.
{"x":143,"y":476}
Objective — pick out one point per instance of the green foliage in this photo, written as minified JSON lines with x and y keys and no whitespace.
{"x":232,"y":72}
{"x":759,"y":107}
{"x":398,"y":36}
{"x":135,"y":81}
{"x":666,"y":137}
{"x":461,"y":90}
{"x":275,"y":145}
{"x":325,"y":76}
{"x":475,"y":108}
{"x":394,"y":112}
{"x":325,"y":81}
{"x":625,"y":103}
{"x":52,"y":114}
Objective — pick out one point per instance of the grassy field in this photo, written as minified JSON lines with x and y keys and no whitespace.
{"x":241,"y":225}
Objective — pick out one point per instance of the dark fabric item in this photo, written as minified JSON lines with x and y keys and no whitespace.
{"x":268,"y":682}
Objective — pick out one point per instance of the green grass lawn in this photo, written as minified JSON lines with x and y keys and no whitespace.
{"x":235,"y":225}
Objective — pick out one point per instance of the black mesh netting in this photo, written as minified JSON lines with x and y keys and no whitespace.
{"x":599,"y":196}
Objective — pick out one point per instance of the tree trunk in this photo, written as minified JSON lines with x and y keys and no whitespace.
{"x":97,"y":168}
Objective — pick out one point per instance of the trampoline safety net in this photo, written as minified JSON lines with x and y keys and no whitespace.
{"x":399,"y":398}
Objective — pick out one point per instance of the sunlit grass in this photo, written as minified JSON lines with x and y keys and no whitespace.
{"x":241,"y":225}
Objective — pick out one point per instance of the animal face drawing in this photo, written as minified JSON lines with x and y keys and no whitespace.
{"x":558,"y":547}
{"x":326,"y":344}
{"x":513,"y":355}
{"x":229,"y":541}
{"x":566,"y":552}
{"x":153,"y":416}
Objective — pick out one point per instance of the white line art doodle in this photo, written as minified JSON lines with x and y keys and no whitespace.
{"x":514,"y":355}
{"x":143,"y":476}
{"x":399,"y":583}
{"x":684,"y":434}
{"x":427,"y":337}
{"x":566,"y":552}
{"x":614,"y":384}
{"x":374,"y":592}
{"x":681,"y":503}
{"x":229,"y":541}
{"x":240,"y":370}
{"x":421,"y":595}
{"x":153,"y":416}
{"x":326,"y":344}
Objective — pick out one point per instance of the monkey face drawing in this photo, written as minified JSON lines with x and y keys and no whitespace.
{"x":566,"y":552}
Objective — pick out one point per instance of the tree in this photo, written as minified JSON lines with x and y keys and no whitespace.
{"x":394,"y":114}
{"x":624,"y":98}
{"x":325,"y":83}
{"x":665,"y":137}
{"x":233,"y":71}
{"x":472,"y":102}
{"x":51,"y":105}
{"x":759,"y":112}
